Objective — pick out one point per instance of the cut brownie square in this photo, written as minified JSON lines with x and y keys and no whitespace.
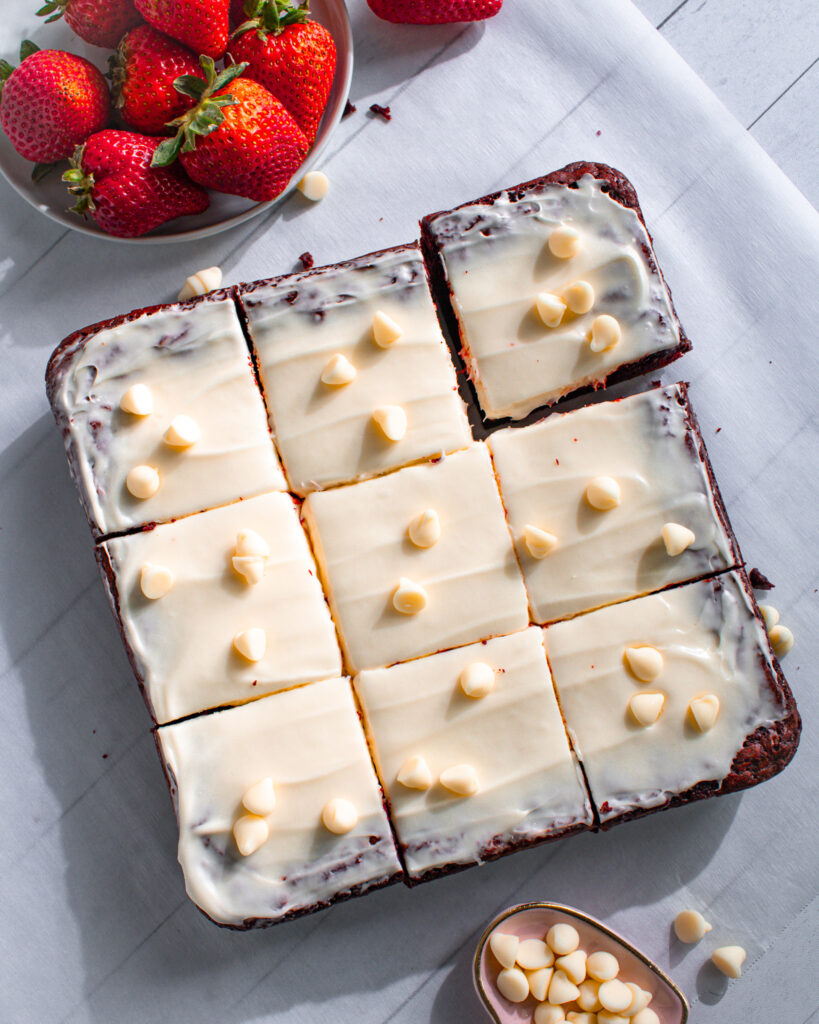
{"x":290,"y":780}
{"x":161,"y":414}
{"x":672,"y":697}
{"x":357,"y":375}
{"x":471,"y":777}
{"x":429,"y":540}
{"x":221,"y":607}
{"x":554,"y":287}
{"x":611,"y":501}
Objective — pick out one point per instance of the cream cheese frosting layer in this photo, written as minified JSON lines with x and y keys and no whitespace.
{"x":310,"y":744}
{"x":325,"y":428}
{"x":194,"y":362}
{"x":464,"y":587}
{"x":711,"y":646}
{"x":647,"y":446}
{"x":513,"y":738}
{"x":182,"y":643}
{"x":498,"y":261}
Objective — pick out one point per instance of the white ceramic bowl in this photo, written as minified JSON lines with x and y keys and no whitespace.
{"x":51,"y":197}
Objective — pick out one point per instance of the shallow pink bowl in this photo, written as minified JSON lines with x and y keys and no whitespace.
{"x":532,"y":921}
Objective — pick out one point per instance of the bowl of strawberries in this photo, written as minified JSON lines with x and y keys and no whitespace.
{"x":167,"y":120}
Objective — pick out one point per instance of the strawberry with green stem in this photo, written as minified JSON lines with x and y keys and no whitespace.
{"x":99,"y":22}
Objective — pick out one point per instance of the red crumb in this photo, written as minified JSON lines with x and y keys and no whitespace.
{"x":759,"y":581}
{"x":349,"y":108}
{"x":380,"y":111}
{"x":307,"y":260}
{"x":718,"y":430}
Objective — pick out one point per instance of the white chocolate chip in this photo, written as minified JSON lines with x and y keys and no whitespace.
{"x":690,"y":926}
{"x":409,"y":598}
{"x":314,"y":185}
{"x":533,"y":954}
{"x":602,"y":966}
{"x":143,"y":481}
{"x":640,"y":999}
{"x":645,"y":1016}
{"x":339,"y":815}
{"x":477,"y":680}
{"x":562,"y":989}
{"x":645,"y":662}
{"x":646,"y":708}
{"x":539,"y":981}
{"x":248,"y":542}
{"x":677,"y":538}
{"x":137,"y":400}
{"x":564,"y":242}
{"x":770,"y":615}
{"x":251,"y":567}
{"x":513,"y":984}
{"x":587,"y":1000}
{"x":201,"y":282}
{"x":579,"y":297}
{"x":573,"y":966}
{"x":425,"y":529}
{"x":385,"y":330}
{"x":392,"y":420}
{"x":609,"y":1017}
{"x":729,"y":959}
{"x":614,"y":995}
{"x":250,"y":832}
{"x":338,"y":371}
{"x":414,"y":773}
{"x":460,"y":779}
{"x":182,"y":433}
{"x":581,"y":1017}
{"x":251,"y":643}
{"x":705,"y":711}
{"x":549,"y":1013}
{"x":781,"y":640}
{"x":539,"y":543}
{"x":603,"y":493}
{"x":562,"y":938}
{"x":260,"y":798}
{"x":155,"y":581}
{"x":605,"y":333}
{"x":550,"y":308}
{"x":504,"y":946}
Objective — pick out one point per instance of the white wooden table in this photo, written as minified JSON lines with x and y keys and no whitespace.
{"x":95,"y":925}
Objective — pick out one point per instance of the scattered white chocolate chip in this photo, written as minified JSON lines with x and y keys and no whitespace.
{"x":338,"y":371}
{"x":781,"y":640}
{"x":549,"y":1013}
{"x":602,"y":966}
{"x":143,"y":481}
{"x":603,"y":493}
{"x":339,"y":815}
{"x":562,"y":938}
{"x":260,"y":798}
{"x":392,"y":421}
{"x":539,"y":543}
{"x":550,"y":308}
{"x":409,"y":598}
{"x":564,"y":242}
{"x":587,"y":1000}
{"x":770,"y":616}
{"x":314,"y":185}
{"x":562,"y":989}
{"x":251,"y":643}
{"x":425,"y":529}
{"x":539,"y":981}
{"x":645,"y":662}
{"x":250,"y":832}
{"x":677,"y":538}
{"x":534,"y":954}
{"x":155,"y":581}
{"x":646,"y":708}
{"x":385,"y":330}
{"x":640,"y":998}
{"x":248,"y":542}
{"x":690,"y":926}
{"x":201,"y":282}
{"x":614,"y":995}
{"x":646,"y":1016}
{"x":579,"y":297}
{"x":137,"y":400}
{"x":513,"y":984}
{"x":605,"y":333}
{"x":250,"y":567}
{"x":705,"y":711}
{"x":504,"y":946}
{"x":182,"y":433}
{"x":573,"y":965}
{"x":729,"y":959}
{"x":460,"y":779}
{"x":477,"y":679}
{"x":414,"y":773}
{"x":581,"y":1017}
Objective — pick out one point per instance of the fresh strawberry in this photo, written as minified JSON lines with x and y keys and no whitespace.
{"x":238,"y":14}
{"x":143,"y":71}
{"x":434,"y":12}
{"x":291,"y":56}
{"x":202,"y":25}
{"x":51,"y":102}
{"x":238,"y":138}
{"x":112,"y":176}
{"x":99,"y":22}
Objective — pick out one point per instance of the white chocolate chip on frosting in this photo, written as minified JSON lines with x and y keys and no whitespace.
{"x":250,"y":567}
{"x":539,"y":981}
{"x":646,"y":708}
{"x":137,"y":400}
{"x":460,"y":779}
{"x":729,"y":959}
{"x":477,"y":679}
{"x":770,"y":616}
{"x":250,"y":832}
{"x":549,"y":1013}
{"x":690,"y":926}
{"x":603,"y":493}
{"x":248,"y":542}
{"x":550,"y":308}
{"x":260,"y":798}
{"x":782,"y":640}
{"x":562,"y":938}
{"x":602,"y":966}
{"x":562,"y":989}
{"x":338,"y":371}
{"x":182,"y":433}
{"x":677,"y":538}
{"x":579,"y":297}
{"x":143,"y":482}
{"x":314,"y":186}
{"x":155,"y":581}
{"x":645,"y":662}
{"x":614,"y":995}
{"x":414,"y":773}
{"x":385,"y":330}
{"x":573,"y":965}
{"x":605,"y":333}
{"x":251,"y":643}
{"x":339,"y":815}
{"x":409,"y":598}
{"x":705,"y":711}
{"x":539,"y":543}
{"x":425,"y":529}
{"x":564,"y":242}
{"x":392,"y":421}
{"x":533,"y":954}
{"x":513,"y":984}
{"x":201,"y":282}
{"x":504,"y":946}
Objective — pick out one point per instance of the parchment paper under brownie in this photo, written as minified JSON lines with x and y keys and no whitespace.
{"x":309,"y":744}
{"x":554,"y":287}
{"x":161,"y":415}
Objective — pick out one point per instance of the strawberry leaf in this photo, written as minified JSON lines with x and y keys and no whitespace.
{"x":5,"y":70}
{"x":166,"y":152}
{"x":39,"y":171}
{"x":190,"y":85}
{"x":227,"y":76}
{"x":27,"y":48}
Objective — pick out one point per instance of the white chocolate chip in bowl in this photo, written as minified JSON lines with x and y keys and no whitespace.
{"x":539,"y":981}
{"x":425,"y":529}
{"x":563,"y":938}
{"x":137,"y":400}
{"x":504,"y":946}
{"x":573,"y":965}
{"x":548,"y":1013}
{"x":533,"y":954}
{"x":513,"y":984}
